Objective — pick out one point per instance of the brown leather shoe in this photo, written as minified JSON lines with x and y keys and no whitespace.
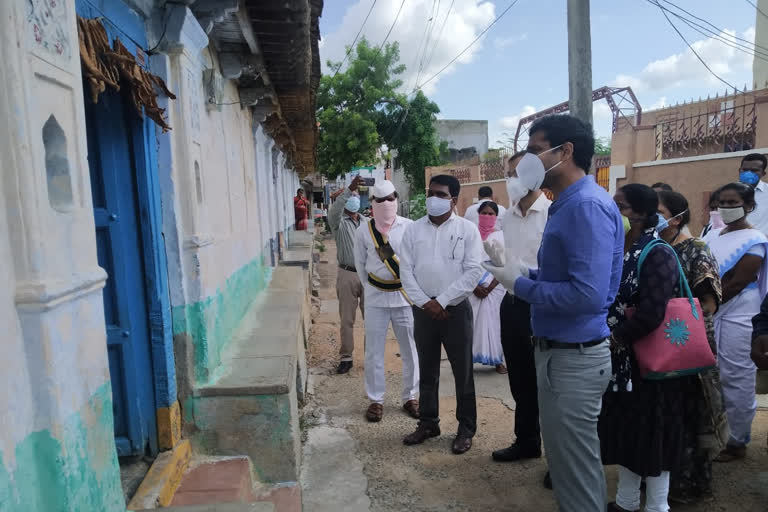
{"x":412,"y":408}
{"x":421,"y":434}
{"x":374,"y":413}
{"x":461,"y":444}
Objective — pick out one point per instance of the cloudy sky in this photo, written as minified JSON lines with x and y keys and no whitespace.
{"x":521,"y":64}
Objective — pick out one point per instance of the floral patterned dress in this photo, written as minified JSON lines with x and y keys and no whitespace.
{"x":694,"y":477}
{"x":643,"y":423}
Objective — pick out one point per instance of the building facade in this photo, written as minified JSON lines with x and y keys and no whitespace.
{"x":695,"y":147}
{"x":139,"y":225}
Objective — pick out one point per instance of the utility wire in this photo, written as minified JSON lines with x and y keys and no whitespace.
{"x":672,"y":24}
{"x":440,"y":34}
{"x":392,"y":26}
{"x":418,"y":53}
{"x":505,"y":11}
{"x":717,"y":37}
{"x":750,"y":2}
{"x":432,"y":24}
{"x":352,"y":46}
{"x":718,"y":29}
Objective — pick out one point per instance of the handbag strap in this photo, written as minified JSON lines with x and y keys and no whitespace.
{"x":685,"y":289}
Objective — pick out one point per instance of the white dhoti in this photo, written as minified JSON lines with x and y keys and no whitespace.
{"x":377,"y":320}
{"x":733,"y":332}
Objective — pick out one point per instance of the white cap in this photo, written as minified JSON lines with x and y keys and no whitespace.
{"x":382,"y":188}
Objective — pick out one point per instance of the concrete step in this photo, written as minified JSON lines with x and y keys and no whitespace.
{"x":214,"y":480}
{"x":218,"y":481}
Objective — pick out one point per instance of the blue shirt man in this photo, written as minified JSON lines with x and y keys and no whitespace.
{"x":580,"y":263}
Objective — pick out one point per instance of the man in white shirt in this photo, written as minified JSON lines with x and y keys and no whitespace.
{"x":523,"y":227}
{"x":377,"y":245}
{"x":485,"y":194}
{"x":752,"y":173}
{"x":440,"y":266}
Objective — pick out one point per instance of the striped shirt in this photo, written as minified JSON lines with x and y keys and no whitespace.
{"x":343,"y":228}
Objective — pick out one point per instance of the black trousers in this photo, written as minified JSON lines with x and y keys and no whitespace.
{"x":518,"y":352}
{"x":455,"y":334}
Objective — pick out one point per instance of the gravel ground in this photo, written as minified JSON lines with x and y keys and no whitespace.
{"x":428,"y":477}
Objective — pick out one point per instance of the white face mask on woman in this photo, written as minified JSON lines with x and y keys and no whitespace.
{"x":731,"y":215}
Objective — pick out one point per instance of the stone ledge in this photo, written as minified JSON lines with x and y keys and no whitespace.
{"x":254,"y":376}
{"x":221,"y":507}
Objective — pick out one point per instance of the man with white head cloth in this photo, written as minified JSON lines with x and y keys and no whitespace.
{"x":377,"y":244}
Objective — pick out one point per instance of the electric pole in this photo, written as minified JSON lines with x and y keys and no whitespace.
{"x":579,"y":60}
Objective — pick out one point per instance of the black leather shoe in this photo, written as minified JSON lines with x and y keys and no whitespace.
{"x":461,"y":444}
{"x":421,"y":434}
{"x":517,"y":452}
{"x":344,"y":367}
{"x":548,"y":481}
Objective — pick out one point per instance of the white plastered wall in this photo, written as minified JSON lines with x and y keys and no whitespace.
{"x":54,"y":355}
{"x":226,"y":201}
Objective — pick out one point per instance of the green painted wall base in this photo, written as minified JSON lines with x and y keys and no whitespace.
{"x":72,"y":467}
{"x":211,"y":322}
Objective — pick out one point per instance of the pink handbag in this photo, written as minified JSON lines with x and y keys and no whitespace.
{"x":678,"y":346}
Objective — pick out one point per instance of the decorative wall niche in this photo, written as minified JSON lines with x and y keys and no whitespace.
{"x":57,"y":166}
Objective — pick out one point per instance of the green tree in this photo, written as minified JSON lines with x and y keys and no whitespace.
{"x":412,"y":133}
{"x":602,"y":146}
{"x":360,"y":110}
{"x":352,"y":104}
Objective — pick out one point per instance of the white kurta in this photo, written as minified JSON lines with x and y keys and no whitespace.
{"x":381,"y":309}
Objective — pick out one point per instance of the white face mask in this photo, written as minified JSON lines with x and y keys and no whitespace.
{"x":731,"y":215}
{"x":515,"y":190}
{"x":531,"y":169}
{"x":437,"y":206}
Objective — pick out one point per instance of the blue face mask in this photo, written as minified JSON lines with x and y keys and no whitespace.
{"x":748,"y":177}
{"x":352,"y":204}
{"x":662,"y":224}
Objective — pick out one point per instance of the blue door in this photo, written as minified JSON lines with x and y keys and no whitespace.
{"x":112,"y":128}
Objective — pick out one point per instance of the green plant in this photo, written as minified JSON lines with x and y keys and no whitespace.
{"x":418,"y":206}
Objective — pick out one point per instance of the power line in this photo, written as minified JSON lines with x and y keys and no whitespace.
{"x":392,"y":26}
{"x":352,"y":46}
{"x":718,"y":36}
{"x":719,"y":30}
{"x":432,"y":19}
{"x":418,"y":53}
{"x":672,"y":24}
{"x":469,"y":46}
{"x":750,"y":2}
{"x":440,"y":35}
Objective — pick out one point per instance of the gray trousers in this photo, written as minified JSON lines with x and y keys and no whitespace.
{"x":571,"y":384}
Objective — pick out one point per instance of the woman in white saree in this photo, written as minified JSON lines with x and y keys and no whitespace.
{"x":740,"y":251}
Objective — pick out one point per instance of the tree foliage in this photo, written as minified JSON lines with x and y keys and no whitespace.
{"x":351,"y":104}
{"x":360,"y":110}
{"x":412,"y":133}
{"x":602,"y":146}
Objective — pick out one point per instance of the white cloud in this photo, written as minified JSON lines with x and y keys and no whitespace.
{"x":501,"y":43}
{"x":505,"y":127}
{"x":465,"y":22}
{"x":685,"y":69}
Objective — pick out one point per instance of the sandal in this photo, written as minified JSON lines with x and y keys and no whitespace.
{"x":374,"y":413}
{"x":412,"y":408}
{"x":500,"y":368}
